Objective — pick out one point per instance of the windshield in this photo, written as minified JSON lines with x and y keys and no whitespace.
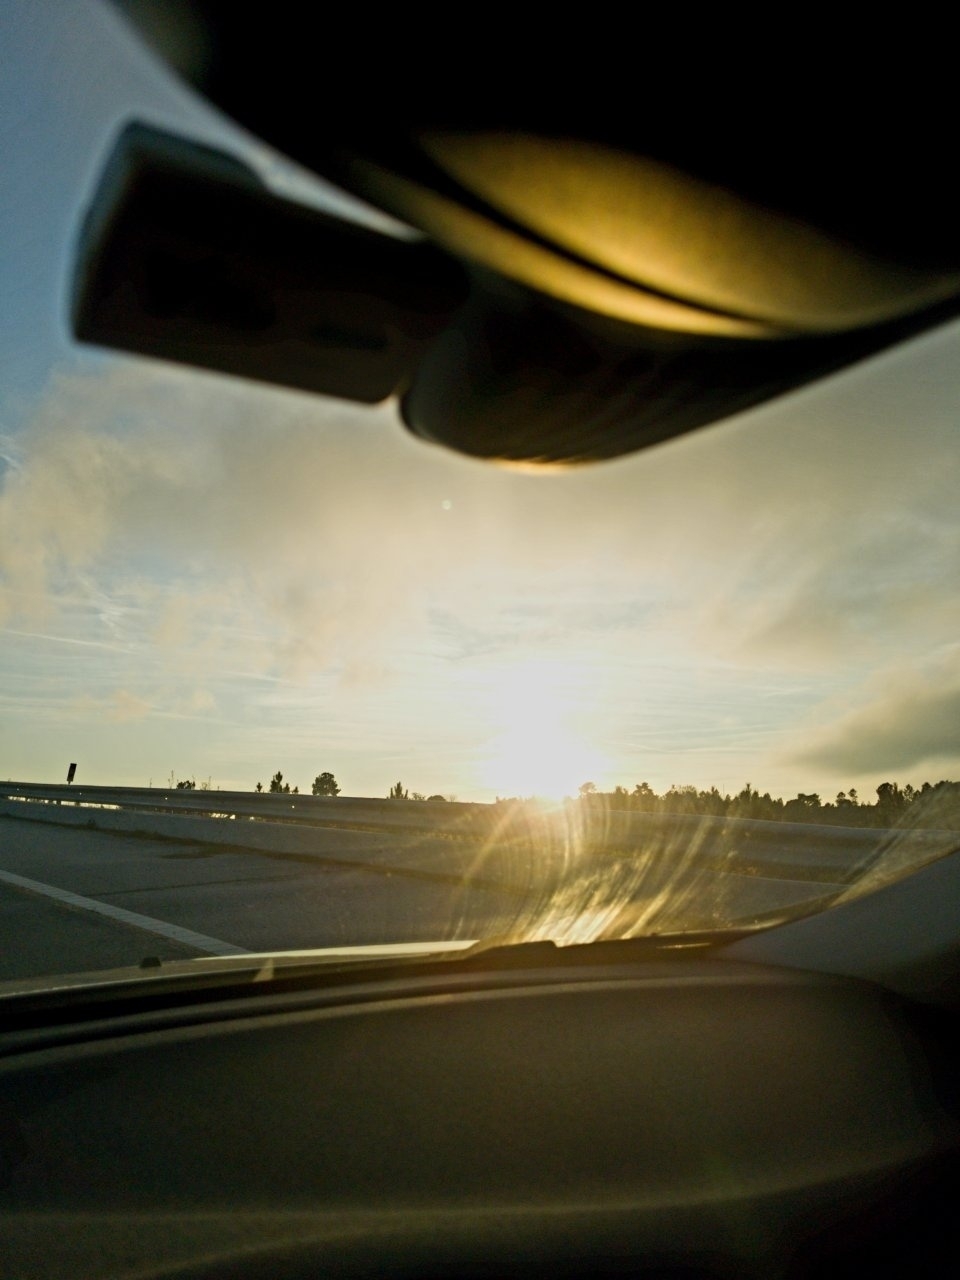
{"x":319,"y":684}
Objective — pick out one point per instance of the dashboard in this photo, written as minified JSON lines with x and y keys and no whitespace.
{"x":690,"y":1115}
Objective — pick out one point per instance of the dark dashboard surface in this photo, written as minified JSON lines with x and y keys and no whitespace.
{"x":680,"y":1117}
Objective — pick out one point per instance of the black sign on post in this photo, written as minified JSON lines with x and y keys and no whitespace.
{"x":70,"y":772}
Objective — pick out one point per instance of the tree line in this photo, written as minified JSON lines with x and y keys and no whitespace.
{"x":934,"y":804}
{"x":325,"y":784}
{"x":930,"y":805}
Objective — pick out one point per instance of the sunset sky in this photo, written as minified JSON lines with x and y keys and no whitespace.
{"x":217,"y":579}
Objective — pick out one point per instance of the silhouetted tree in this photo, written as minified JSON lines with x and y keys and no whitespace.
{"x":397,"y":792}
{"x":325,"y":784}
{"x":643,"y":797}
{"x":890,"y":801}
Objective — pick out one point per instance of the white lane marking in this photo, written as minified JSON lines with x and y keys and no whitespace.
{"x":201,"y":941}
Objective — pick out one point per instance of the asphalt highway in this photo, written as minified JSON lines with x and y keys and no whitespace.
{"x":78,"y":899}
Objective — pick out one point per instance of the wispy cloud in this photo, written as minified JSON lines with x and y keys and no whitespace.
{"x":909,"y":718}
{"x":58,"y":639}
{"x":121,"y":707}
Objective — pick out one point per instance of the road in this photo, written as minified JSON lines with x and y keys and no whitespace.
{"x":73,"y":898}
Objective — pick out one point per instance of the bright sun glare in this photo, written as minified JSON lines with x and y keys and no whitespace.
{"x":536,"y":746}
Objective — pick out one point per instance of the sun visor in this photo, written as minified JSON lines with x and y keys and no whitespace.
{"x":566,"y":303}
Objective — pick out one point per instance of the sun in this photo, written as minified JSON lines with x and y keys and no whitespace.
{"x":537,"y":744}
{"x":534,"y":762}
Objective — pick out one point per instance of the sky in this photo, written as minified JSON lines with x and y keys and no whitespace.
{"x":202,"y":577}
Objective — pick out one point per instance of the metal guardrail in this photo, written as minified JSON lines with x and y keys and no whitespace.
{"x":278,"y":806}
{"x":747,"y":846}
